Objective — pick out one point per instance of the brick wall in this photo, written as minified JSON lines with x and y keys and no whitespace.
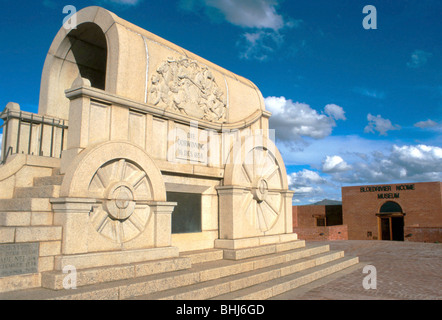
{"x":423,"y":234}
{"x":421,"y":204}
{"x":322,"y":233}
{"x":304,"y":216}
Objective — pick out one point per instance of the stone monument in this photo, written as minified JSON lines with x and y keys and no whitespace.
{"x":140,"y":151}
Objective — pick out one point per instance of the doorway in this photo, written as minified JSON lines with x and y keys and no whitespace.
{"x":397,"y":228}
{"x":392,"y":228}
{"x":391,"y":222}
{"x":385,"y":229}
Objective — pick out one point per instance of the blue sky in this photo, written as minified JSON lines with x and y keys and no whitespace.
{"x":350,"y":106}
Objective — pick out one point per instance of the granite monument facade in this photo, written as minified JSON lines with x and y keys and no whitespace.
{"x":128,"y":121}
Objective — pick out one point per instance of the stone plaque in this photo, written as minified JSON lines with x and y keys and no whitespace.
{"x":192,"y":150}
{"x":18,"y":258}
{"x":190,"y":145}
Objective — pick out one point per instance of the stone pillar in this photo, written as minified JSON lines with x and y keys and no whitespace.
{"x":288,"y":196}
{"x":230,"y":216}
{"x":162,"y":214}
{"x":73,"y":215}
{"x":236,"y":232}
{"x":78,"y":136}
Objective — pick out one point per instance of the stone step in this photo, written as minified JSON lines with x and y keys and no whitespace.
{"x":244,"y":253}
{"x":54,"y":279}
{"x":22,"y":281}
{"x":26,"y":218}
{"x":30,"y":234}
{"x":25,"y":204}
{"x":200,"y":272}
{"x":300,"y":291}
{"x":201,"y":256}
{"x":272,"y":288}
{"x":211,"y":272}
{"x":46,"y":181}
{"x":45,"y":191}
{"x":231,"y":283}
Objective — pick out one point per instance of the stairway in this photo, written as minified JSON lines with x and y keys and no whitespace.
{"x":35,"y":198}
{"x":250,"y":273}
{"x":198,"y":275}
{"x":27,"y":216}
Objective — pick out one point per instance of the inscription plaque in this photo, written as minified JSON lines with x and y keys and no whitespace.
{"x":18,"y":258}
{"x":189,"y":145}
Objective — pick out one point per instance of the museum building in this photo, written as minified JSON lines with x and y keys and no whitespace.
{"x":319,"y":221}
{"x":401,"y":212}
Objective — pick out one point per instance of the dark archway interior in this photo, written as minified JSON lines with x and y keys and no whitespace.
{"x":89,"y":48}
{"x":390,"y":206}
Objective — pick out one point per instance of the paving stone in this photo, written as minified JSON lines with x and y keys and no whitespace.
{"x":404,"y":270}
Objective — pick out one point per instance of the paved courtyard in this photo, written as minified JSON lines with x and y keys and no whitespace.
{"x":404,"y":270}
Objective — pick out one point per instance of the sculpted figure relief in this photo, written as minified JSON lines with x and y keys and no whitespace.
{"x":184,"y":86}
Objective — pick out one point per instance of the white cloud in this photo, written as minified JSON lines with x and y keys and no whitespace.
{"x":305,"y":183}
{"x":294,"y":120}
{"x":352,"y":148}
{"x":379,"y":124}
{"x":426,"y":124}
{"x":275,"y":104}
{"x":309,"y":187}
{"x":258,"y":45}
{"x":335,"y":111}
{"x":251,"y":14}
{"x":333,"y":164}
{"x":259,"y":14}
{"x":357,"y":161}
{"x":305,"y":178}
{"x":418,"y":59}
{"x":419,"y":159}
{"x":402,"y":163}
{"x":429,"y":124}
{"x":260,"y":18}
{"x":376,"y":94}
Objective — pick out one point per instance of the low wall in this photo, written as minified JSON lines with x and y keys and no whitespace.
{"x":322,"y":233}
{"x":423,"y":234}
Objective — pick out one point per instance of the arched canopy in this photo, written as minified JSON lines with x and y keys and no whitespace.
{"x":390,"y":206}
{"x":128,"y":61}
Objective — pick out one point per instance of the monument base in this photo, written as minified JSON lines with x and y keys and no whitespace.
{"x":237,"y":249}
{"x":110,"y":258}
{"x":113,"y":266}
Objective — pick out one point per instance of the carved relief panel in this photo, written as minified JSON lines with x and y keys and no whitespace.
{"x":184,"y":86}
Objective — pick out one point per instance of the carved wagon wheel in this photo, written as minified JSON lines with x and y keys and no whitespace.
{"x":258,"y":169}
{"x":120,"y":177}
{"x":123,"y":189}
